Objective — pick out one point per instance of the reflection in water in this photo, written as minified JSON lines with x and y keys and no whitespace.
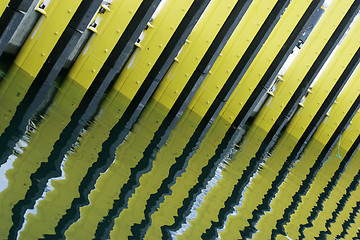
{"x":80,"y":163}
{"x":325,"y":194}
{"x":99,"y":140}
{"x":28,"y":106}
{"x":346,"y":224}
{"x":327,"y":148}
{"x":340,"y":206}
{"x":18,"y":150}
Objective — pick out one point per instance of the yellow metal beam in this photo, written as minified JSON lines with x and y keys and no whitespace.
{"x":324,"y":131}
{"x":150,"y":48}
{"x":167,"y":9}
{"x":208,"y":152}
{"x":142,"y":55}
{"x":320,"y":90}
{"x":238,"y":169}
{"x":302,"y":118}
{"x":347,"y":139}
{"x":296,"y":72}
{"x":80,"y":90}
{"x":324,"y":84}
{"x":248,"y":83}
{"x":168,"y":91}
{"x":231,"y":54}
{"x":3,"y":5}
{"x":235,"y":47}
{"x":193,"y":51}
{"x":45,"y":34}
{"x":111,"y":26}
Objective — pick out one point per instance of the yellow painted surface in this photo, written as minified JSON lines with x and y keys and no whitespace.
{"x":320,"y":90}
{"x":100,"y":45}
{"x":263,"y":60}
{"x":302,"y":63}
{"x":329,"y":125}
{"x":45,"y":34}
{"x":201,"y":157}
{"x":275,"y":166}
{"x":268,"y":221}
{"x":154,"y":42}
{"x":314,"y":100}
{"x":113,"y":23}
{"x":297,"y":174}
{"x":3,"y":5}
{"x":231,"y":54}
{"x":325,"y":83}
{"x":151,"y":181}
{"x":225,"y":186}
{"x":117,"y":172}
{"x":199,"y":40}
{"x":345,"y":100}
{"x":285,"y":23}
{"x":193,"y":51}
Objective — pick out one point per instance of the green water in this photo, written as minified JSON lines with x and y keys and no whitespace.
{"x":160,"y":184}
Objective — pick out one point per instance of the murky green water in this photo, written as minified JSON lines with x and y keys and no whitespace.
{"x":158,"y":181}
